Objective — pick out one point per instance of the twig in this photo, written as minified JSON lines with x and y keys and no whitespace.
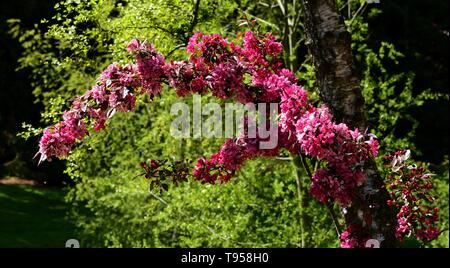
{"x":305,"y":165}
{"x":261,"y":20}
{"x":442,"y":231}
{"x":337,"y":226}
{"x":195,"y":16}
{"x":349,"y":8}
{"x":159,"y":198}
{"x":296,"y":164}
{"x":175,"y":49}
{"x":283,"y":158}
{"x":281,"y":6}
{"x":316,"y":165}
{"x":357,"y":12}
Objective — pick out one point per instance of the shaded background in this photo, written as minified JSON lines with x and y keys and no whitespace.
{"x":17,"y":101}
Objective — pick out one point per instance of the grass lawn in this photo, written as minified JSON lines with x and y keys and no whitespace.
{"x":33,"y":217}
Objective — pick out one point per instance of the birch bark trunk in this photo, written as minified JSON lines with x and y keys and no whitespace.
{"x":339,"y":87}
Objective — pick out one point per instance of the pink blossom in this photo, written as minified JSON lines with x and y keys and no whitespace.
{"x":59,"y":139}
{"x":402,"y":229}
{"x":272,"y":47}
{"x":373,"y":143}
{"x":353,"y":237}
{"x":409,"y":191}
{"x":428,"y":234}
{"x":151,"y":67}
{"x":133,"y":45}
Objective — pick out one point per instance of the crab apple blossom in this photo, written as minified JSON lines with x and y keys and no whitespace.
{"x":350,"y":239}
{"x":150,"y":66}
{"x":409,"y":186}
{"x":231,"y":156}
{"x":115,"y":90}
{"x":250,"y":73}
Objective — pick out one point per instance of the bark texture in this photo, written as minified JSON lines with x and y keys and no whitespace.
{"x":339,"y":87}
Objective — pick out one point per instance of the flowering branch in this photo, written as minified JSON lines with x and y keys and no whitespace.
{"x":218,"y":66}
{"x":408,"y":186}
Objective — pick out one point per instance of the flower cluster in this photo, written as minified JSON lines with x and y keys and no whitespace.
{"x":182,"y":79}
{"x":261,"y":51}
{"x":221,"y":67}
{"x":161,"y":173}
{"x":217,"y":66}
{"x":353,"y":237}
{"x":409,"y":186}
{"x":115,"y":90}
{"x":59,"y":139}
{"x":293,"y":105}
{"x":150,"y":64}
{"x":343,"y":149}
{"x":231,"y":156}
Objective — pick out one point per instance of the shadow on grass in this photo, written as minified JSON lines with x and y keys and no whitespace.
{"x":33,"y":217}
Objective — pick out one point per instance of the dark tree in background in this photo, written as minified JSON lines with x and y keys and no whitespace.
{"x":420,"y":30}
{"x":16,"y":99}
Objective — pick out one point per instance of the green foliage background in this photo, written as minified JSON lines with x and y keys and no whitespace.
{"x":114,"y":207}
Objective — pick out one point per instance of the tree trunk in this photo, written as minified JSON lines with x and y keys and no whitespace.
{"x":339,"y":87}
